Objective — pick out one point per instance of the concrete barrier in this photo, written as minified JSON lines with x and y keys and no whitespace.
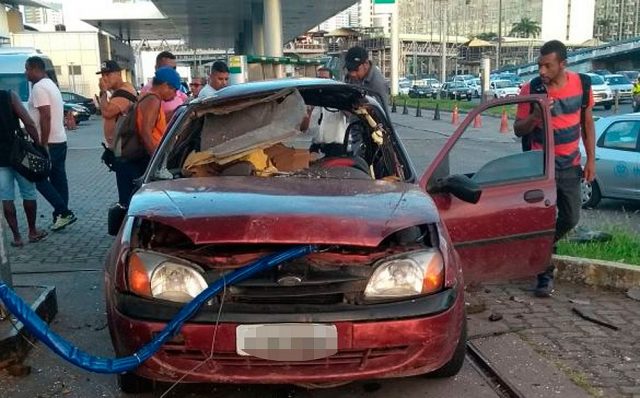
{"x":597,"y":273}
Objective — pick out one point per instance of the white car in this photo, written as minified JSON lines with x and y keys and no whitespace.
{"x":621,"y":85}
{"x":404,"y":87}
{"x":503,"y":89}
{"x":435,"y":83}
{"x":602,"y":94}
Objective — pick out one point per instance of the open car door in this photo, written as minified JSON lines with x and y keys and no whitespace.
{"x":508,"y":232}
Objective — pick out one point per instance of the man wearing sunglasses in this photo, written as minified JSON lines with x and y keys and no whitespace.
{"x":196,"y":86}
{"x":362,"y":72}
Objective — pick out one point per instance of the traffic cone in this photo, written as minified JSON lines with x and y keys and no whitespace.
{"x":405,"y":110}
{"x":477,"y":122}
{"x":418,"y":110}
{"x":504,"y":122}
{"x":436,"y":113}
{"x":455,"y":117}
{"x":393,"y":105}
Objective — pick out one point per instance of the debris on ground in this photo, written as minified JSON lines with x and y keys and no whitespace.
{"x":517,"y":299}
{"x":592,"y":317}
{"x":580,"y":302}
{"x":475,"y":305}
{"x":495,"y":317}
{"x":585,"y":235}
{"x":19,"y":370}
{"x":634,"y":293}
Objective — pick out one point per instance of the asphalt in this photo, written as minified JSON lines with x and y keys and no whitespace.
{"x":544,"y":334}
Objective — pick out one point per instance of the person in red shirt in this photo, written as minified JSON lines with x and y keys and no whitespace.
{"x":565,"y":91}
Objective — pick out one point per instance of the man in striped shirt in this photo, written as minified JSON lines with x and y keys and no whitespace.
{"x":571,"y":119}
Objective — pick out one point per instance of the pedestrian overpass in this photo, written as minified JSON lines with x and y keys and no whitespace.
{"x":622,"y":55}
{"x":258,"y":27}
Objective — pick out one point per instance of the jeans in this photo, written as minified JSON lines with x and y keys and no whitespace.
{"x":569,"y":204}
{"x":55,"y":188}
{"x":126,"y":172}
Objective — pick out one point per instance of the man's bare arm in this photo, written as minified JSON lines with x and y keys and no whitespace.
{"x":149,"y":110}
{"x":24,"y":116}
{"x":108,"y":110}
{"x":45,"y":124}
{"x":589,"y":141}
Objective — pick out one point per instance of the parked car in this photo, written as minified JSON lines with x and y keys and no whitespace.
{"x":383,"y":294}
{"x":601,"y":72}
{"x":476,"y":86}
{"x":632,"y":75}
{"x":503,"y":89}
{"x":617,"y":160}
{"x":602,"y":94}
{"x":621,"y":85}
{"x":423,"y":92}
{"x":74,"y":98}
{"x":456,"y":91}
{"x":12,"y":76}
{"x":435,"y":83}
{"x":404,"y":87}
{"x":80,"y":113}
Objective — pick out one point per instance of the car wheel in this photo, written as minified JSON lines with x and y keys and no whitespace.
{"x":590,"y":193}
{"x":131,"y":383}
{"x":607,"y":107}
{"x":454,"y":365}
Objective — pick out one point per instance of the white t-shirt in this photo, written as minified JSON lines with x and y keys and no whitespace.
{"x":327,"y":126}
{"x":45,"y":92}
{"x":207,"y":91}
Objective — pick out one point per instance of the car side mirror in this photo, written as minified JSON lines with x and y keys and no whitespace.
{"x":115,"y":218}
{"x":460,"y":186}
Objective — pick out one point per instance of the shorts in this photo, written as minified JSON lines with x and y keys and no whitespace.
{"x":7,"y":185}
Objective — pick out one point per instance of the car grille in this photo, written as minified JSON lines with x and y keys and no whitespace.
{"x":358,"y":358}
{"x":302,"y":284}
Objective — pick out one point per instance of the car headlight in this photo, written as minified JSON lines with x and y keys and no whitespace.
{"x":156,"y":275}
{"x":410,"y":274}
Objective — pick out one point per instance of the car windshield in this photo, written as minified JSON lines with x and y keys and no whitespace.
{"x":16,"y":82}
{"x":262,"y":138}
{"x":596,"y":80}
{"x":503,"y":84}
{"x":617,"y":80}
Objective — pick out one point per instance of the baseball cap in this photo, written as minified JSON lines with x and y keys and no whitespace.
{"x":355,"y":57}
{"x":108,"y":67}
{"x":168,"y":75}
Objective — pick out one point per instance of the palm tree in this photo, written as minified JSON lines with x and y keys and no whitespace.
{"x":526,"y":28}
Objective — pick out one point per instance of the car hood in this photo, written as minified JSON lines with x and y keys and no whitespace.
{"x":284,"y":210}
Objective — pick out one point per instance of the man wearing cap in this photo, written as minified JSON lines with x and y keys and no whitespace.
{"x":362,"y":72}
{"x":123,"y":94}
{"x":163,"y":60}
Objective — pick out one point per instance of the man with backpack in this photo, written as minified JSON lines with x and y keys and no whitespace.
{"x":122,"y":97}
{"x":571,"y":118}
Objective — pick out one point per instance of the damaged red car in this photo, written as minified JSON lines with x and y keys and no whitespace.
{"x":382,"y":296}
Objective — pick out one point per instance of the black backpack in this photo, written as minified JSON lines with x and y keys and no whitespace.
{"x":537,"y":87}
{"x":127,"y":143}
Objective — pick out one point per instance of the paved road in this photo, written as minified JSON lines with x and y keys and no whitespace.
{"x":586,"y":351}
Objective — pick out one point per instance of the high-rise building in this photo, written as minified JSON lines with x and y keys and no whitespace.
{"x":347,"y":18}
{"x":43,"y":17}
{"x":617,"y":19}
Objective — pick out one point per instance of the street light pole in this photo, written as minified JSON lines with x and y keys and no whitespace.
{"x":499,"y":35}
{"x":443,"y":33}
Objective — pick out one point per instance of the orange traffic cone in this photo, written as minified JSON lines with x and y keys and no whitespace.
{"x":477,"y":122}
{"x":455,"y":117}
{"x":504,"y":122}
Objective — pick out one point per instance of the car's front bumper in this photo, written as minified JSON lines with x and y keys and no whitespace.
{"x":419,"y":338}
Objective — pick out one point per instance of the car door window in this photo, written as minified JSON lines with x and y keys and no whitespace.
{"x":489,"y":153}
{"x":66,"y":97}
{"x":622,"y":136}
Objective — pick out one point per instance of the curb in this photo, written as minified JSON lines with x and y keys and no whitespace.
{"x":13,"y":340}
{"x":598,"y":273}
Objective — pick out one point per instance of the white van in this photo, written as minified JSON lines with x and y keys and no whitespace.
{"x":12,"y":72}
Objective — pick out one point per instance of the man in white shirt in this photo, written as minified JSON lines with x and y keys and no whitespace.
{"x":218,"y":79}
{"x":327,"y":126}
{"x":47,"y":110}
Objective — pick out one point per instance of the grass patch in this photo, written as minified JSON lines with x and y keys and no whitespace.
{"x":447,"y":105}
{"x":624,"y":247}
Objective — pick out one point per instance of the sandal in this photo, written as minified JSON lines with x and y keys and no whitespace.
{"x":17,"y":243}
{"x":41,"y":235}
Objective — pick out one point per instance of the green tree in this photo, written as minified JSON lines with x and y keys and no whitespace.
{"x":525,"y":28}
{"x":488,"y":36}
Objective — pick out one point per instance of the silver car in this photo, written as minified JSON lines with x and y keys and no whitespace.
{"x":617,"y":160}
{"x":621,"y":85}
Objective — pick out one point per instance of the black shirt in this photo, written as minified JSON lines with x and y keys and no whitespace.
{"x":8,"y":126}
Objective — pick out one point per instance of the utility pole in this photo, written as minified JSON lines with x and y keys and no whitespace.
{"x":443,"y":34}
{"x":499,"y":35}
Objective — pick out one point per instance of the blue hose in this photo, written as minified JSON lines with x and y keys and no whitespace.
{"x":63,"y":348}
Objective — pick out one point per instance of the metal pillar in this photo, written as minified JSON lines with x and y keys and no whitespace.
{"x":247,"y":38}
{"x":5,"y":266}
{"x":443,"y":32}
{"x":499,"y":35}
{"x":273,"y":32}
{"x":395,"y":50}
{"x":257,"y":16}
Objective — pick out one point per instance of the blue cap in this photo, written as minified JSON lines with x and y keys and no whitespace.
{"x":168,"y":75}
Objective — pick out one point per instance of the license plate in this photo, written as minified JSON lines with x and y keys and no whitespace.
{"x":287,"y":342}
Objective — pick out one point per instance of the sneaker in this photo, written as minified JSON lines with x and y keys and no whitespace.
{"x":63,"y":221}
{"x":544,"y":287}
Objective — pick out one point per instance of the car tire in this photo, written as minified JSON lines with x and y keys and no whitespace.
{"x":590,"y":194}
{"x":607,"y":107}
{"x":131,"y":383}
{"x":454,"y":365}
